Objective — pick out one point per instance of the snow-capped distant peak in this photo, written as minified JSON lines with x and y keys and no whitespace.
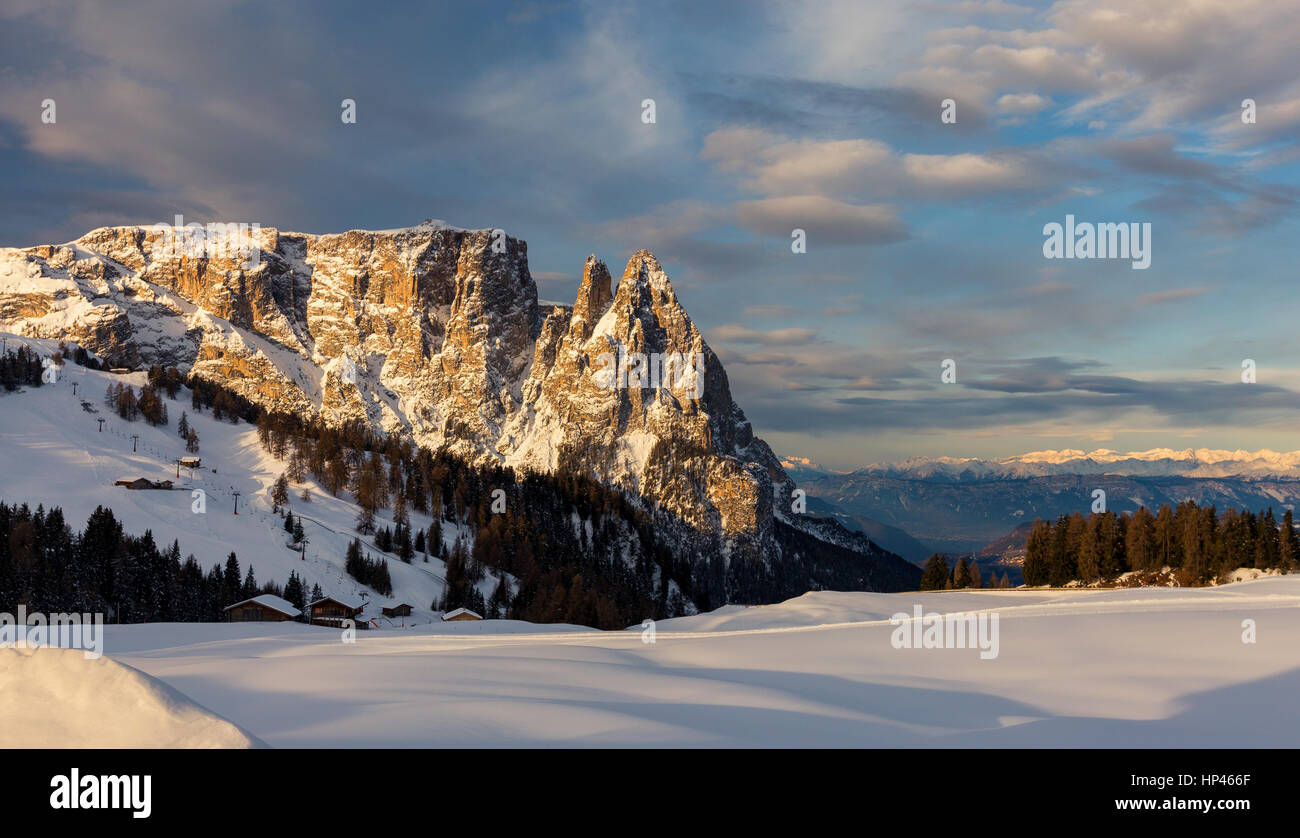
{"x":1187,"y":462}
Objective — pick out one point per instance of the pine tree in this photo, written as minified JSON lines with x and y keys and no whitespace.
{"x":288,"y":523}
{"x":233,"y":588}
{"x":297,"y":469}
{"x":1139,"y":541}
{"x":280,"y":493}
{"x":365,"y":520}
{"x":435,"y":536}
{"x":402,"y":544}
{"x":961,"y":577}
{"x":294,"y":593}
{"x":935,"y":575}
{"x":1038,"y":546}
{"x":1286,"y":545}
{"x":352,"y":561}
{"x":298,"y":534}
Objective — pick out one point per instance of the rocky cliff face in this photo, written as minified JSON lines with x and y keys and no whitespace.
{"x":435,"y":332}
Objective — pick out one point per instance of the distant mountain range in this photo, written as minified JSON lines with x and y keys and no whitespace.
{"x":943,"y":504}
{"x":1157,"y":462}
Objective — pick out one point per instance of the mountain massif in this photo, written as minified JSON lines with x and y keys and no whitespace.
{"x":435,"y":333}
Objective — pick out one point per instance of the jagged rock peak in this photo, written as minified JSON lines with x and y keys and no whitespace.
{"x":644,"y":269}
{"x":594,"y":298}
{"x":595,"y":294}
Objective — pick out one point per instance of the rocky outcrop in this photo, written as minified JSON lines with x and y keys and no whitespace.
{"x":435,"y":333}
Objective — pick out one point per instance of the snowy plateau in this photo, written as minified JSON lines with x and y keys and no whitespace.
{"x":1119,"y":668}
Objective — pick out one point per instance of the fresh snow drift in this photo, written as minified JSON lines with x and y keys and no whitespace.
{"x":59,"y":698}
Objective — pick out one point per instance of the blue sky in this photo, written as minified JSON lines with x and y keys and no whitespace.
{"x":924,"y":239}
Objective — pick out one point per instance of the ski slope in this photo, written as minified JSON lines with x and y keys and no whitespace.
{"x":53,"y":453}
{"x":1122,"y":668}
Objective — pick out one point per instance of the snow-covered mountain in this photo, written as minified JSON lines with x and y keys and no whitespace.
{"x":1156,"y":462}
{"x":436,"y":333}
{"x":959,"y":504}
{"x":961,"y":515}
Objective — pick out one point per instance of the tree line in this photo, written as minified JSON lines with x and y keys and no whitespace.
{"x":1198,"y":544}
{"x":965,"y":573}
{"x":23,"y":367}
{"x":102,"y":569}
{"x":368,"y":571}
{"x":20,"y":367}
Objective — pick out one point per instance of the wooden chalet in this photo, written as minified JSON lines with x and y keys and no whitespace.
{"x":265,"y":608}
{"x":143,"y":483}
{"x":332,"y":611}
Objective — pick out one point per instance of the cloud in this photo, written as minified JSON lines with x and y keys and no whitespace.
{"x":1100,"y":401}
{"x":963,"y":172}
{"x":796,"y":104}
{"x":1022,"y":103}
{"x":1173,"y":295}
{"x":774,"y":166}
{"x":764,"y":337}
{"x":979,"y":7}
{"x":769,"y":311}
{"x":825,"y":220}
{"x":1153,"y":154}
{"x":1213,"y":212}
{"x":678,"y":232}
{"x":1274,"y":118}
